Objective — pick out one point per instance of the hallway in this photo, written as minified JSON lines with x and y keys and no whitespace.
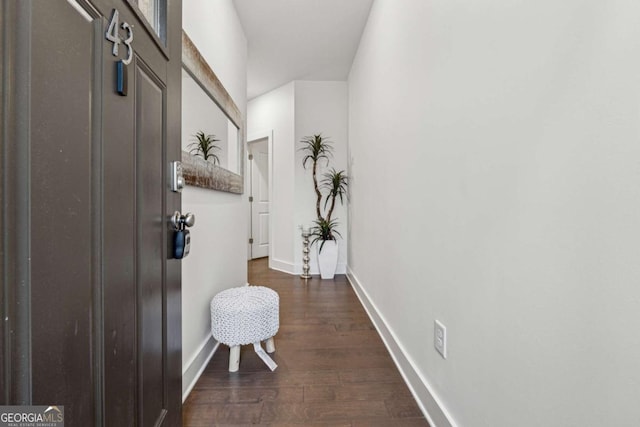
{"x":333,"y":368}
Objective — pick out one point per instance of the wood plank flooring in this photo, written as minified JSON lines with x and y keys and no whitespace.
{"x":333,"y":369}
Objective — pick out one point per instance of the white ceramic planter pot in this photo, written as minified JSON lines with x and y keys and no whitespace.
{"x":327,"y":258}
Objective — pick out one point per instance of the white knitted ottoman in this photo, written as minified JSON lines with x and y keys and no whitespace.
{"x":246,"y":315}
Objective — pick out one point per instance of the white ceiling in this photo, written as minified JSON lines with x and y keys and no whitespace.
{"x":300,"y":40}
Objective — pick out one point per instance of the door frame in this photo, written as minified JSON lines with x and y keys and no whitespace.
{"x":13,"y":250}
{"x":253,"y":137}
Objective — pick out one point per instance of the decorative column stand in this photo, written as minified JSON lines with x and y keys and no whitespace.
{"x":305,"y":254}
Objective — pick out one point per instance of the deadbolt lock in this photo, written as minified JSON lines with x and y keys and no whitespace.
{"x":177,"y":179}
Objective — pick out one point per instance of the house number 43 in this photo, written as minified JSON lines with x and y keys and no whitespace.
{"x":113,"y":36}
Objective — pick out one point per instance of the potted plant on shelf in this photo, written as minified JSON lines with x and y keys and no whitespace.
{"x":317,"y":148}
{"x":204,"y":146}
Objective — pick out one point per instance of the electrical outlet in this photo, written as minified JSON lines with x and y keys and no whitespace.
{"x":440,"y":338}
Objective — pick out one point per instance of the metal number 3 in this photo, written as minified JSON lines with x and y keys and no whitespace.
{"x":113,"y":36}
{"x":127,"y":42}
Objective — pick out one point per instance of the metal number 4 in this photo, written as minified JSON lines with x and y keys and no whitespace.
{"x":112,"y":32}
{"x":113,"y":36}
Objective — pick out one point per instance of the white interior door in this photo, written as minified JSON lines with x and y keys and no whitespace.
{"x":259,"y":151}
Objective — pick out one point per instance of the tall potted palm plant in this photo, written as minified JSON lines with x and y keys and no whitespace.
{"x":333,"y":183}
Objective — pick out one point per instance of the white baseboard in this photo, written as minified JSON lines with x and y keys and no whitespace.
{"x":285,"y":267}
{"x":192,"y":370}
{"x":295,"y":269}
{"x":341,"y":268}
{"x":430,"y":405}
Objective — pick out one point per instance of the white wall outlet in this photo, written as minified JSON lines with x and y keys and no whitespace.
{"x":440,"y":338}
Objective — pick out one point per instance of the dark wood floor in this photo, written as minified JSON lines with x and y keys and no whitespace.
{"x":333,"y":369}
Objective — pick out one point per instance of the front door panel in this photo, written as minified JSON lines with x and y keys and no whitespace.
{"x":149,"y":96}
{"x":60,"y":271}
{"x":135,"y":144}
{"x":92,"y":305}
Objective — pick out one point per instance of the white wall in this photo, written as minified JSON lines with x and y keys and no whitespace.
{"x":291,"y":112}
{"x":215,"y":29}
{"x":218,"y":239}
{"x":494,"y":152}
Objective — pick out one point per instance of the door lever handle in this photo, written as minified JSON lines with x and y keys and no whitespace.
{"x":180,"y":221}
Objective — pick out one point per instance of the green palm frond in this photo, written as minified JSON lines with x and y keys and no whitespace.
{"x":324,"y":230}
{"x":316,"y":148}
{"x":336,"y":182}
{"x":204,"y":146}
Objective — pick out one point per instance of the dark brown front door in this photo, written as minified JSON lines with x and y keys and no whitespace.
{"x":90,"y":294}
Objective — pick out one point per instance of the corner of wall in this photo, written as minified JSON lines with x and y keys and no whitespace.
{"x":429,"y":403}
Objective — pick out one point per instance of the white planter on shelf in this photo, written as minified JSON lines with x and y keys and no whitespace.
{"x":327,"y":258}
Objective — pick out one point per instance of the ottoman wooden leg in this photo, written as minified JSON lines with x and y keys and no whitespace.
{"x":271,"y":346}
{"x":234,"y":358}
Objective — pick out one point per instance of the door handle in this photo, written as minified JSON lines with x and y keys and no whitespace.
{"x":180,"y":221}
